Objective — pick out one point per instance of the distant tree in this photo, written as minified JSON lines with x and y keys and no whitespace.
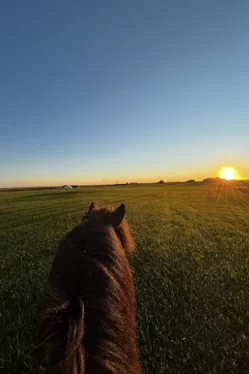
{"x":191,"y":181}
{"x":212,"y":180}
{"x":161,"y":182}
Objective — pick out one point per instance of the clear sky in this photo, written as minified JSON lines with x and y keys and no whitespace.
{"x":122,"y":90}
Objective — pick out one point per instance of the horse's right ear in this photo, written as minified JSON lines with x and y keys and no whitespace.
{"x":92,"y":206}
{"x":118,"y":215}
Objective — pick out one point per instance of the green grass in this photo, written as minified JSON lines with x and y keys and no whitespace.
{"x":191,"y":271}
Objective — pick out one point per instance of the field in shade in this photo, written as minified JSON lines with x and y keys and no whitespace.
{"x":191,"y":271}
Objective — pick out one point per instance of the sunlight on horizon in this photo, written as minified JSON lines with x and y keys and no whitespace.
{"x":228,"y":173}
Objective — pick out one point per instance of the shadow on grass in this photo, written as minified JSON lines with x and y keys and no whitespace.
{"x":189,"y":320}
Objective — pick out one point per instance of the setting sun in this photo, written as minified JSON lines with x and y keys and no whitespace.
{"x":228,"y":173}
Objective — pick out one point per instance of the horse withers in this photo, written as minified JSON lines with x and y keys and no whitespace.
{"x":88,"y":324}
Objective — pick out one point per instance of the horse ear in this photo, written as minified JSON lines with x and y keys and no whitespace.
{"x":118,"y":215}
{"x":92,"y":206}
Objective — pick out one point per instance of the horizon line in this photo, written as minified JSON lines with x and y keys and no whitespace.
{"x":118,"y":184}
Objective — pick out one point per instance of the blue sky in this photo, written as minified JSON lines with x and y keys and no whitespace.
{"x":122,"y":90}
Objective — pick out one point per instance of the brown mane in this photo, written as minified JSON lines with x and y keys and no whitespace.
{"x":88,"y":324}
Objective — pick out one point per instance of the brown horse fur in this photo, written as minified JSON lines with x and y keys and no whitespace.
{"x":88,"y":324}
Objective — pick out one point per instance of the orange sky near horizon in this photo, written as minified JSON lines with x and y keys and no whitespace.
{"x":211,"y":171}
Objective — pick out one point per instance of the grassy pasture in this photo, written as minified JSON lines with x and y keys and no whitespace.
{"x":191,"y":271}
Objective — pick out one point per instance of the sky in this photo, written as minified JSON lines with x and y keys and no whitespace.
{"x":121,"y":91}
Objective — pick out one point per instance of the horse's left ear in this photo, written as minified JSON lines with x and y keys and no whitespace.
{"x":92,"y":206}
{"x":118,"y":215}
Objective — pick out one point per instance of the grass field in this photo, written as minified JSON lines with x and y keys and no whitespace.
{"x":191,"y":271}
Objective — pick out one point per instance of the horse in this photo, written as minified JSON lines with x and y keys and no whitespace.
{"x":88,"y":320}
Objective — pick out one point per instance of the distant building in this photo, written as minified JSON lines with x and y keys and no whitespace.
{"x":66,"y":186}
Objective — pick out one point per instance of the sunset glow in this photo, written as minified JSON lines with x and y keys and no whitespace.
{"x":228,"y":173}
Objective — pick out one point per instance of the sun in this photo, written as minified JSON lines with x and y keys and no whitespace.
{"x":227,"y":173}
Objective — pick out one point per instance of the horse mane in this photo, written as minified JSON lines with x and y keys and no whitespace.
{"x":124,"y":234}
{"x":88,"y":323}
